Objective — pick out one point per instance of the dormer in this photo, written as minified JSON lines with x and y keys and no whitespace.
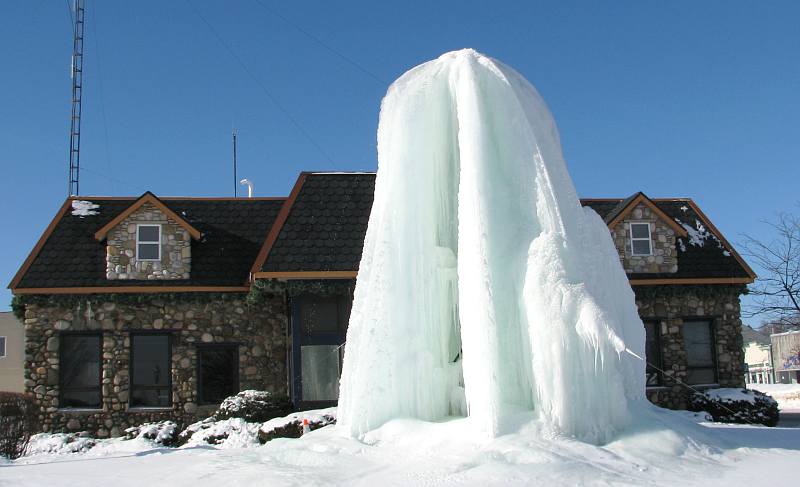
{"x":645,"y":236}
{"x":148,"y":241}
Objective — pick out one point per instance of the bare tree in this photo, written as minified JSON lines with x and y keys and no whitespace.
{"x":777,"y":290}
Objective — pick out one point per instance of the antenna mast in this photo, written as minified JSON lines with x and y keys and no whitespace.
{"x":235,"y":179}
{"x":77,"y":91}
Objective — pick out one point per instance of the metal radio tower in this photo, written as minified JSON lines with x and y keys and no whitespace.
{"x":77,"y":91}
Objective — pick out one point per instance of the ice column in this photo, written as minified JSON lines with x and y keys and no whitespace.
{"x":484,"y":287}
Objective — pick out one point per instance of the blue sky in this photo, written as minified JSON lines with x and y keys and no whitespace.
{"x":697,"y":99}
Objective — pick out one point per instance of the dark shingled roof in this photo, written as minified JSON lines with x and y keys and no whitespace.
{"x":326,"y":225}
{"x":232,"y":234}
{"x":325,"y":228}
{"x":749,"y":335}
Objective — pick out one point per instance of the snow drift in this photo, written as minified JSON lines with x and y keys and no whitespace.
{"x":485,"y":289}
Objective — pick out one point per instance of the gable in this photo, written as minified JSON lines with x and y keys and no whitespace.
{"x":146,"y":199}
{"x":638,"y":201}
{"x":169,"y":245}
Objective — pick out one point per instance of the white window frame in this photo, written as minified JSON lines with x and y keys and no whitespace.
{"x":138,"y":226}
{"x":4,"y":348}
{"x":649,"y":238}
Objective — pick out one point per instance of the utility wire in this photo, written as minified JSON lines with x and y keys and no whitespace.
{"x":71,"y":18}
{"x":684,"y":384}
{"x":261,"y":85}
{"x":102,"y":98}
{"x":323,"y":44}
{"x":110,"y":178}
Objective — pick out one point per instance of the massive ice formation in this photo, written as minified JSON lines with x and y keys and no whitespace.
{"x":485,"y":288}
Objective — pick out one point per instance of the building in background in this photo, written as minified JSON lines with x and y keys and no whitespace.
{"x":786,"y":356}
{"x":11,"y":353}
{"x":757,"y":357}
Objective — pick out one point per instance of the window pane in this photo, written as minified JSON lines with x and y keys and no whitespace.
{"x":218,"y":374}
{"x":641,"y":247}
{"x":652,"y":353}
{"x":150,"y":379}
{"x":697,"y":336}
{"x":148,"y":233}
{"x":320,"y":316}
{"x":698,"y":339}
{"x":80,"y":399}
{"x":320,"y":366}
{"x":701,"y":376}
{"x":148,"y":251}
{"x":80,"y":370}
{"x":640,"y":230}
{"x":2,"y":346}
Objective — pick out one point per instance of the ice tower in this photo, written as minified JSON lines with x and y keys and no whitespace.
{"x":484,"y":287}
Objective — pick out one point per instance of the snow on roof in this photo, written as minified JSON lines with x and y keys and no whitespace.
{"x":698,"y":237}
{"x":792,"y":332}
{"x":84,"y":208}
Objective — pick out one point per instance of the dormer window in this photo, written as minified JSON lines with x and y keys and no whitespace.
{"x":640,"y":239}
{"x":148,"y":242}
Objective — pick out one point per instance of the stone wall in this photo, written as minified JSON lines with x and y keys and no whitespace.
{"x":176,"y":250}
{"x":191,"y":319}
{"x":664,"y":256}
{"x":670,"y":305}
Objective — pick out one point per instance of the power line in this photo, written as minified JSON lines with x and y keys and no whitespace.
{"x":102,"y":98}
{"x":323,"y":44}
{"x":71,"y":19}
{"x":261,"y":85}
{"x":110,"y":178}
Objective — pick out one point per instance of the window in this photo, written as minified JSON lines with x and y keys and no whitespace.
{"x":319,"y":326}
{"x":151,"y":371}
{"x":148,"y":242}
{"x":321,"y":366}
{"x":640,"y":239}
{"x":2,"y":347}
{"x":80,"y":370}
{"x":652,"y":350}
{"x":218,"y":372}
{"x":698,"y":337}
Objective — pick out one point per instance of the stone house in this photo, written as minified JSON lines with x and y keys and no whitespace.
{"x":141,"y":309}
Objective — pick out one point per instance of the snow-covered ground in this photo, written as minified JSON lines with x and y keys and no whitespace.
{"x":787,"y":395}
{"x":661,"y":449}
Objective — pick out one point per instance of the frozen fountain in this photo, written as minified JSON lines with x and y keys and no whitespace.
{"x":485,"y":289}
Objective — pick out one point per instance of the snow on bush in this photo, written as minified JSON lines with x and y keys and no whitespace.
{"x":226,"y":433}
{"x":60,"y":443}
{"x":291,"y":426}
{"x":736,"y":406}
{"x":232,"y":426}
{"x":787,"y":395}
{"x":254,"y":406}
{"x":162,"y":433}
